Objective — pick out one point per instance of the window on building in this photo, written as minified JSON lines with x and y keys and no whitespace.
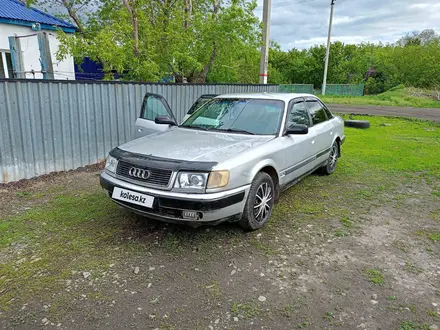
{"x":6,"y":70}
{"x":9,"y":65}
{"x":2,"y":68}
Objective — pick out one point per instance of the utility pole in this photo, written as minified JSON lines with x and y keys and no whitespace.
{"x":327,"y":54}
{"x":266,"y":39}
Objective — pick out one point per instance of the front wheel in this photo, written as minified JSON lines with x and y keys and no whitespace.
{"x":332,"y":160}
{"x":260,"y":202}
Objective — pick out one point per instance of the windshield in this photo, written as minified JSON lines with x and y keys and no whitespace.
{"x":202,"y":100}
{"x":252,"y":116}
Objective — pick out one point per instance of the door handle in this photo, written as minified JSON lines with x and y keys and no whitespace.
{"x":313,"y":141}
{"x":331,"y":133}
{"x":140,"y":129}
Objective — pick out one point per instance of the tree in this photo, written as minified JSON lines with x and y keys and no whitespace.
{"x":416,"y":38}
{"x":147,"y":39}
{"x":218,"y":41}
{"x":75,"y":11}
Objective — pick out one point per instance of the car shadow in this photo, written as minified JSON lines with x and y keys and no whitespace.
{"x":145,"y":230}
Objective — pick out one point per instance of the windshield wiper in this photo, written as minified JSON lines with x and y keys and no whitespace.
{"x":196,"y":127}
{"x":236,"y":130}
{"x":232,"y":130}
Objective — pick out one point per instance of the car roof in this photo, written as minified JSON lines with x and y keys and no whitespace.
{"x":276,"y":96}
{"x":208,"y":95}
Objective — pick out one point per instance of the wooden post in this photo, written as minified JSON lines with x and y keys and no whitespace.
{"x":16,"y":57}
{"x":45,"y":56}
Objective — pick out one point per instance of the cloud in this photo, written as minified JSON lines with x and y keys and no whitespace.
{"x":304,"y":23}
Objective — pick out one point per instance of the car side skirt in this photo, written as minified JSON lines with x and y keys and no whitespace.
{"x":289,"y":184}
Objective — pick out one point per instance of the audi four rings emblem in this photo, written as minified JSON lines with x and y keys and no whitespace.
{"x":139,"y":173}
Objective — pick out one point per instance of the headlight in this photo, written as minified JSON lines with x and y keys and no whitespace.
{"x":111,"y":164}
{"x":188,"y":180}
{"x":218,"y":179}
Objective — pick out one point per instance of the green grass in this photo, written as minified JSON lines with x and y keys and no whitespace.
{"x":406,"y":146}
{"x":303,"y":325}
{"x":23,"y":193}
{"x":245,"y":310}
{"x":400,"y":97}
{"x":374,"y":276}
{"x":340,"y":232}
{"x":434,"y":237}
{"x":412,"y":268}
{"x":62,"y":236}
{"x":329,"y":316}
{"x":213,"y":290}
{"x":287,"y":310}
{"x":408,"y":325}
{"x":346,"y":222}
{"x":433,"y":314}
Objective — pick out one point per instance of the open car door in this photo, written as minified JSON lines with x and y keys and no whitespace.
{"x":200,"y":101}
{"x":154,"y":105}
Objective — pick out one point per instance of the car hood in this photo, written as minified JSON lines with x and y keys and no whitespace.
{"x":193,"y":145}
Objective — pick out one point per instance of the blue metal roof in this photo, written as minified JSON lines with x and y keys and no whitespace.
{"x":16,"y":12}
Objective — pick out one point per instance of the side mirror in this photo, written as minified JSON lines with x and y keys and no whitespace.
{"x":298,"y":129}
{"x":164,"y":120}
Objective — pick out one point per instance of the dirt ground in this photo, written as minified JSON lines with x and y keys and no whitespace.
{"x":421,"y":113}
{"x":359,"y":249}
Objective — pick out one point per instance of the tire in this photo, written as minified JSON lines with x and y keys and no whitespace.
{"x":255,"y":217}
{"x":332,"y":160}
{"x":363,"y":124}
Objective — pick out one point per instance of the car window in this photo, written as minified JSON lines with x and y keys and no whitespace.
{"x":317,"y":111}
{"x":255,"y":116}
{"x":200,"y":101}
{"x":298,"y":114}
{"x":153,"y":107}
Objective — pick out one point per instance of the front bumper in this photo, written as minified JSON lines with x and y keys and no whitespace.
{"x":168,"y":206}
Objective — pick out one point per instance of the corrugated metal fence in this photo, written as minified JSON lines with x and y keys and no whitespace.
{"x":48,"y":126}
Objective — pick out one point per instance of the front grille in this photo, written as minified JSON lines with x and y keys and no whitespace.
{"x":158,"y":176}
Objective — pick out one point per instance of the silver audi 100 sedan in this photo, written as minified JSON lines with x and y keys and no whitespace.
{"x":228,"y":161}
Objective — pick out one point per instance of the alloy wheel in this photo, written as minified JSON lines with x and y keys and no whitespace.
{"x":262,"y":205}
{"x":333,"y":157}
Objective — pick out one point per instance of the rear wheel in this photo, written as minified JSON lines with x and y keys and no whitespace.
{"x":332,"y":160}
{"x":260,"y":202}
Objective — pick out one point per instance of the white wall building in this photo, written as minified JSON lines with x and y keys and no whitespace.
{"x":31,"y":52}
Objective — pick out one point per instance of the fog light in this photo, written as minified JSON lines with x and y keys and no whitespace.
{"x":192,"y":215}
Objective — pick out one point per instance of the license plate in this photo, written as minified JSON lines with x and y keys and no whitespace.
{"x":132,"y":197}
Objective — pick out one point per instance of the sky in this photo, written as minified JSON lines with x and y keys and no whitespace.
{"x":304,"y":23}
